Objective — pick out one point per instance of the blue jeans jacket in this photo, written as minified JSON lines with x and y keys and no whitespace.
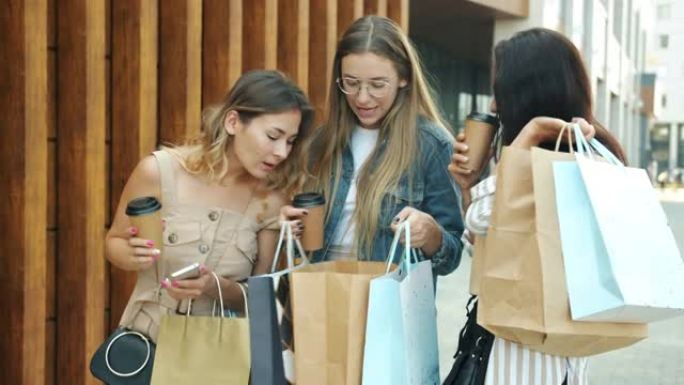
{"x":433,"y":192}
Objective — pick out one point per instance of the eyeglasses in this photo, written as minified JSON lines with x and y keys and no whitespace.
{"x":377,"y":88}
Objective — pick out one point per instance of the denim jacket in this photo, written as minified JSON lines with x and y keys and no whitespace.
{"x":433,"y":191}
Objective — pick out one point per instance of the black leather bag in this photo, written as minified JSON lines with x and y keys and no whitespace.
{"x":472,"y":356}
{"x":125,"y":358}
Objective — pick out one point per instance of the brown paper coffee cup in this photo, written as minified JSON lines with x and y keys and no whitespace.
{"x":145,"y":215}
{"x":312,"y":237}
{"x":479,"y":132}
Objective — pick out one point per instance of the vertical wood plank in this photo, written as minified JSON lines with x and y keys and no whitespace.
{"x":23,"y":172}
{"x":23,"y":177}
{"x":221,"y":47}
{"x":347,"y":12}
{"x":398,"y":10}
{"x":322,"y":42}
{"x":180,"y":69}
{"x":81,"y":87}
{"x":293,"y":40}
{"x":259,"y":40}
{"x":375,"y":7}
{"x":134,"y":112}
{"x":51,"y":255}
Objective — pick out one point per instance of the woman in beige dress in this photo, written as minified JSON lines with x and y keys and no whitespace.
{"x":221,"y":194}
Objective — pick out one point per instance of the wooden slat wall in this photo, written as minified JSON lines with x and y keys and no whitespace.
{"x":293,"y":40}
{"x":375,"y":7}
{"x":322,"y":41}
{"x":180,"y":69}
{"x":221,"y":48}
{"x":81,"y":183}
{"x":95,"y":85}
{"x":133,"y":110}
{"x":398,"y":10}
{"x":347,"y":12}
{"x":23,"y":177}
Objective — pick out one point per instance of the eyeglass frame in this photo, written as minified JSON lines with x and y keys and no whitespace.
{"x":340,"y":80}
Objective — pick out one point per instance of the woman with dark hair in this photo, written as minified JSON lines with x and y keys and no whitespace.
{"x":540,"y":85}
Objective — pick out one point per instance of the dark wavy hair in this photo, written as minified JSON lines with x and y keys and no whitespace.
{"x":539,"y":72}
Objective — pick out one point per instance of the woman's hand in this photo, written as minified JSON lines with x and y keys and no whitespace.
{"x":465,"y":177}
{"x":294,"y":216}
{"x":192,"y":288}
{"x":426,"y":234}
{"x":543,"y":129}
{"x":142,"y":252}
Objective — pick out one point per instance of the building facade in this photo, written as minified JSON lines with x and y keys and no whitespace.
{"x":666,"y":62}
{"x":610,"y":34}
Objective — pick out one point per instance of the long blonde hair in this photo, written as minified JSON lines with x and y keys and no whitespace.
{"x":398,"y":129}
{"x":255,"y":93}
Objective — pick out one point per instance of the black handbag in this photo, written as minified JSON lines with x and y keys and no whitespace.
{"x":125,"y":358}
{"x":472,"y":356}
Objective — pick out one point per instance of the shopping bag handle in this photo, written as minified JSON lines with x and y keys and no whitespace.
{"x":290,"y":242}
{"x":220,"y":295}
{"x":585,"y":147}
{"x":404,"y":227}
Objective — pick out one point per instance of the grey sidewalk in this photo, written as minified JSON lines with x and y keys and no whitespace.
{"x":659,"y":360}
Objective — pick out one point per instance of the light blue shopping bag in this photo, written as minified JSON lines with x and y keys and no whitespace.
{"x":401,"y":326}
{"x":589,"y":278}
{"x":621,"y":261}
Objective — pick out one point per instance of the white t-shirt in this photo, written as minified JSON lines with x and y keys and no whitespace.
{"x":362,"y":143}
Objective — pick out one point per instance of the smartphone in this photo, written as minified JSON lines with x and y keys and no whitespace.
{"x":188,"y":272}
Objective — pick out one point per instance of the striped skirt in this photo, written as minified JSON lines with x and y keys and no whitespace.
{"x":514,"y":364}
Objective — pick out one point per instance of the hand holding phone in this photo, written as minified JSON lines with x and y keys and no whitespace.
{"x":191,"y":271}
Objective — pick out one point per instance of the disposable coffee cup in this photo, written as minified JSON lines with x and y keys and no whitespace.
{"x":314,"y":203}
{"x":145,"y":215}
{"x":479,"y":132}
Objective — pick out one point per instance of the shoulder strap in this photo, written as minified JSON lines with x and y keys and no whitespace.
{"x":167,"y":175}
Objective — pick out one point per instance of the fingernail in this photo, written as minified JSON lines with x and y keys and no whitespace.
{"x":174,"y":283}
{"x":165,"y":284}
{"x":203,"y":269}
{"x":149,"y":243}
{"x":132,"y":230}
{"x":156,"y":252}
{"x":305,"y":213}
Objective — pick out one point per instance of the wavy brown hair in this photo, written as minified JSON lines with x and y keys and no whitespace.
{"x":255,"y":93}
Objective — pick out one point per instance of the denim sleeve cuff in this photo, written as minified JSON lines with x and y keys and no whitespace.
{"x":447,"y":258}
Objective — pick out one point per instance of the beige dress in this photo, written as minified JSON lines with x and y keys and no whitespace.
{"x":224,"y":241}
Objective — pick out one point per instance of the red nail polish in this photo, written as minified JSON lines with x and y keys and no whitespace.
{"x":174,"y":283}
{"x":133,"y":230}
{"x":164,"y":284}
{"x":149,"y":243}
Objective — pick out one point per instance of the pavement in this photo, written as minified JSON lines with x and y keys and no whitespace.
{"x":658,"y":360}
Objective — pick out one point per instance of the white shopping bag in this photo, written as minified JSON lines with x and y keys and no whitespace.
{"x":401,"y":328}
{"x":637,"y":273}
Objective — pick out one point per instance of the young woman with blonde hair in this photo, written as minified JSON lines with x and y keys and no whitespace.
{"x":221,"y":194}
{"x":380,"y":156}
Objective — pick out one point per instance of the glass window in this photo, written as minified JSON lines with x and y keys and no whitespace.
{"x":617,"y":20}
{"x":664,"y":41}
{"x":664,"y":11}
